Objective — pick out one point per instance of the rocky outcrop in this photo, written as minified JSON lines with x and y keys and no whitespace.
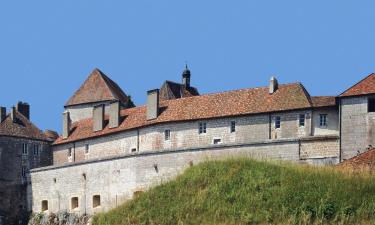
{"x":61,"y":218}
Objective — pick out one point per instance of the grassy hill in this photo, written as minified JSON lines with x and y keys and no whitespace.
{"x":252,"y":192}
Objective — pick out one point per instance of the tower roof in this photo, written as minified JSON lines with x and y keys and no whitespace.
{"x":97,"y":88}
{"x":363,"y":87}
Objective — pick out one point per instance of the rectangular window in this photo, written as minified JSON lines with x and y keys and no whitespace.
{"x":323,"y":120}
{"x":95,"y":201}
{"x":44,"y":205}
{"x":233,"y":126}
{"x":24,"y":171}
{"x":74,"y":203}
{"x":69,"y":152}
{"x":202,"y":128}
{"x":371,"y":105}
{"x":277,"y":122}
{"x":133,"y":150}
{"x":36,"y":150}
{"x":24,"y":149}
{"x":302,"y":120}
{"x":217,"y":141}
{"x":87,"y":148}
{"x":167,"y":135}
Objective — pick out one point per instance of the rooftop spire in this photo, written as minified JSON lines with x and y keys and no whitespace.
{"x":186,"y":76}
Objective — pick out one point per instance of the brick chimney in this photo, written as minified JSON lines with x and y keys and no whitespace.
{"x":274,"y":85}
{"x":98,"y":117}
{"x":114,"y":114}
{"x":24,"y":109}
{"x":152,"y":104}
{"x":66,"y":125}
{"x":3,"y":113}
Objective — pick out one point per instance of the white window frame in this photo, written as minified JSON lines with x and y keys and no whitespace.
{"x":302,"y":120}
{"x":277,"y":122}
{"x":25,"y":150}
{"x":323,"y":120}
{"x":167,"y":135}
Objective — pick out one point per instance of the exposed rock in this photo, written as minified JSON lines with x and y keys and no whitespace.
{"x":61,"y":218}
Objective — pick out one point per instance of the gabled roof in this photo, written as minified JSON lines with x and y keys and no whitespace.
{"x":218,"y":105}
{"x":21,"y":127}
{"x":323,"y":101}
{"x":97,"y":88}
{"x":172,"y":90}
{"x":364,"y":87}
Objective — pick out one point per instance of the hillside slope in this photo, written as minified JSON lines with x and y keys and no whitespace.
{"x":252,"y":192}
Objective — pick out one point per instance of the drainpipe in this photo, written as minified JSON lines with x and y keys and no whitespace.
{"x":269,"y":126}
{"x":340,"y":131}
{"x":138,"y":140}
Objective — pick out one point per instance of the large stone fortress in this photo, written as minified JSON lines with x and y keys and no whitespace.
{"x":109,"y":149}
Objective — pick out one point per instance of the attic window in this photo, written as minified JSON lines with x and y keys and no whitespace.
{"x":202,"y":128}
{"x":233,"y":126}
{"x":167,"y":135}
{"x":277,"y":122}
{"x":371,"y":105}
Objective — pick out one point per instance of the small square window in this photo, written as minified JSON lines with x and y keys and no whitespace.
{"x":233,"y":126}
{"x":74,"y":203}
{"x":133,"y":149}
{"x":277,"y":122}
{"x":323,"y":120}
{"x":302,"y":120}
{"x":371,"y":105}
{"x":87,"y":148}
{"x":24,"y":149}
{"x":202,"y":128}
{"x":96,"y":201}
{"x":167,"y":135}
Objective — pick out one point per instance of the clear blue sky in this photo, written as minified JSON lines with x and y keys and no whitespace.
{"x":48,"y":48}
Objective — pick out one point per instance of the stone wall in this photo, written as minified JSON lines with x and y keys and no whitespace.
{"x":12,"y":182}
{"x":185,"y":135}
{"x":116,"y":179}
{"x":80,"y":112}
{"x":357,"y":126}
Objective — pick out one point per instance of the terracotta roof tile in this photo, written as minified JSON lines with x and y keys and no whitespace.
{"x":365,"y":160}
{"x":224,"y":104}
{"x":97,"y":87}
{"x":323,"y":101}
{"x":364,"y":87}
{"x":22,"y":127}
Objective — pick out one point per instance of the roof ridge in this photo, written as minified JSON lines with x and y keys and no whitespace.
{"x":371,"y":74}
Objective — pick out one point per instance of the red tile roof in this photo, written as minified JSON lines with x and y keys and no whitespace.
{"x":21,"y":127}
{"x":97,"y":88}
{"x":172,"y":90}
{"x":323,"y":101}
{"x":364,"y":87}
{"x":364,"y":160}
{"x":224,"y":104}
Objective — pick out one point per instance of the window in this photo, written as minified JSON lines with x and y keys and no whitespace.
{"x":302,"y":120}
{"x":233,"y":126}
{"x":217,"y":141}
{"x":167,"y":135}
{"x":44,"y":205}
{"x":24,"y":149}
{"x":134,"y":150}
{"x":24,"y":171}
{"x":87,"y":148}
{"x":323,"y":120}
{"x":74,"y":203}
{"x":95,"y":201}
{"x":36,"y":150}
{"x":202,"y":128}
{"x":69,"y":152}
{"x":277,"y":122}
{"x":371,"y":105}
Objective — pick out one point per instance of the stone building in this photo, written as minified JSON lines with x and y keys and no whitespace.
{"x":22,"y":147}
{"x":112,"y":152}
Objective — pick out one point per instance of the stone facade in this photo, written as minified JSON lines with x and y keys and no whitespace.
{"x":83,"y":111}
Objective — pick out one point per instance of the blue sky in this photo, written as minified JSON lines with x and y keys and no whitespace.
{"x":48,"y":48}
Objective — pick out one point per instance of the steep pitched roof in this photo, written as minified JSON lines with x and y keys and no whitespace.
{"x":364,"y":87}
{"x":172,"y":90}
{"x":224,"y":104}
{"x":21,"y":127}
{"x":323,"y":101}
{"x":97,"y":87}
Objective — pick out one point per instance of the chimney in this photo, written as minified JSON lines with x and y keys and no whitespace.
{"x":98,"y":117}
{"x":273,"y":85}
{"x":186,"y":77}
{"x":114,"y":114}
{"x":152,"y":104}
{"x":24,"y":109}
{"x":13,"y":113}
{"x":3,"y":113}
{"x":66,"y":125}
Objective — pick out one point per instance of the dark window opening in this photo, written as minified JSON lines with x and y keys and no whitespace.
{"x":323,"y":120}
{"x":167,"y":135}
{"x":202,"y":128}
{"x":302,"y":120}
{"x":233,"y":126}
{"x":96,"y":201}
{"x":217,"y":141}
{"x":87,"y":148}
{"x":44,"y":205}
{"x":74,"y":203}
{"x":371,"y":105}
{"x":277,"y":122}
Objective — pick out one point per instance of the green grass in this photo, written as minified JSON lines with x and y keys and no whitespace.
{"x":252,"y":192}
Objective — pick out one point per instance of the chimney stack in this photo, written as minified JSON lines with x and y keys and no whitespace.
{"x":114,"y":114}
{"x":152,"y":104}
{"x":24,"y":109}
{"x":186,"y":77}
{"x":3,"y":113}
{"x":13,"y":113}
{"x":98,"y":117}
{"x":273,"y":85}
{"x":66,"y":125}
